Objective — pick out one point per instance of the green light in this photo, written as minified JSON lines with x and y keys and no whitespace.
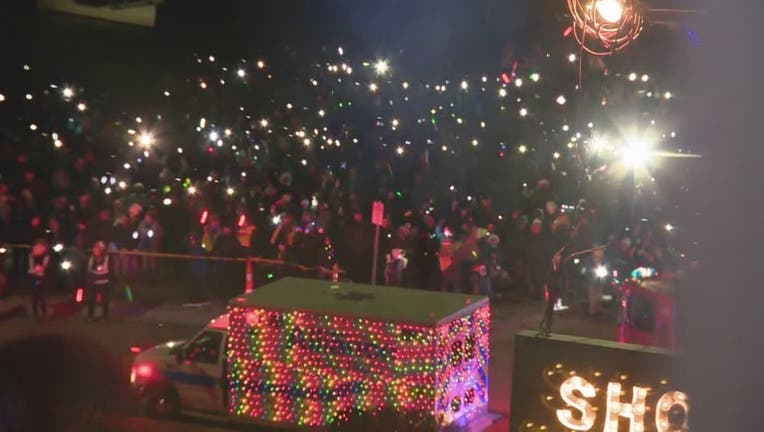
{"x":535,"y":77}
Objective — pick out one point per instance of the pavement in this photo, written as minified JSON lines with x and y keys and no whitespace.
{"x":147,"y":323}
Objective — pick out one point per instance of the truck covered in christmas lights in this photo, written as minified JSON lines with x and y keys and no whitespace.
{"x":315,"y":354}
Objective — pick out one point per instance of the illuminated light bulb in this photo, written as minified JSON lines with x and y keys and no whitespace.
{"x":636,"y":154}
{"x":29,"y":96}
{"x":465,"y":85}
{"x":260,"y":64}
{"x":474,"y":142}
{"x":67,"y":92}
{"x":167,"y":201}
{"x":667,"y":95}
{"x":2,"y":97}
{"x":306,"y":142}
{"x":399,"y":150}
{"x":66,"y":265}
{"x":522,"y":149}
{"x":214,"y":136}
{"x":203,"y":85}
{"x":191,"y":190}
{"x":126,"y":166}
{"x":321,"y":113}
{"x":632,"y":76}
{"x":211,"y":58}
{"x":219,"y":143}
{"x":58,"y":247}
{"x":304,"y":162}
{"x":381,"y":67}
{"x":122,"y":185}
{"x":601,"y":272}
{"x":502,"y":92}
{"x":146,"y":139}
{"x":459,"y":120}
{"x":107,"y":191}
{"x":535,"y":77}
{"x":264,"y":123}
{"x":81,"y":106}
{"x":405,"y":85}
{"x":645,"y":78}
{"x":166,"y":93}
{"x":57,"y":143}
{"x":340,"y":51}
{"x":444,"y":148}
{"x":572,"y":58}
{"x":482,"y":124}
{"x":610,"y":10}
{"x":523,"y":112}
{"x":241,"y":73}
{"x":561,"y":100}
{"x":668,"y":228}
{"x":229,"y":191}
{"x":556,"y":155}
{"x":33,"y":127}
{"x":373,"y":87}
{"x":519,"y":82}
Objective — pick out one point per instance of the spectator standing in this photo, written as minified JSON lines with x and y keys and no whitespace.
{"x":99,"y":278}
{"x":39,"y":272}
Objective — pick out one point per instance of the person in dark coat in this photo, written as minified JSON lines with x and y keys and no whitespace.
{"x":99,"y":278}
{"x":39,"y":274}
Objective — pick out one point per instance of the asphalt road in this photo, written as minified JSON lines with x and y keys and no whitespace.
{"x":141,"y":325}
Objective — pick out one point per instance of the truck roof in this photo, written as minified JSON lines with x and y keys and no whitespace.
{"x":379,"y":303}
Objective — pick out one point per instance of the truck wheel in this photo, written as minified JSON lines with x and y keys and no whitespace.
{"x":161,"y":402}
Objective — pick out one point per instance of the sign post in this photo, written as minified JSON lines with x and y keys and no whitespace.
{"x":377,"y":217}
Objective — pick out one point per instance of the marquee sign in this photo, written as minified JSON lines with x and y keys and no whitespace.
{"x":565,"y":383}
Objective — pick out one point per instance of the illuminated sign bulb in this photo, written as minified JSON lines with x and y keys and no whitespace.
{"x":610,"y":10}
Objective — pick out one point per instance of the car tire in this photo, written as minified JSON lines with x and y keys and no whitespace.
{"x":161,"y":402}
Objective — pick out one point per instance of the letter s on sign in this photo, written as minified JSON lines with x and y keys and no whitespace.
{"x":567,"y":392}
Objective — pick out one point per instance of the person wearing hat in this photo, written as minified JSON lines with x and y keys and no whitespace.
{"x":99,"y":279}
{"x":39,"y":271}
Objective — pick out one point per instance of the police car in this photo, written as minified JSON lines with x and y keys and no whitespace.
{"x":184,"y":376}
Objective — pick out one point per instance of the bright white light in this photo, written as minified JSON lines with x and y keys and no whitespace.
{"x":340,"y":51}
{"x":227,"y":132}
{"x":475,"y":143}
{"x":260,"y":64}
{"x":519,"y":82}
{"x":572,"y":58}
{"x":502,"y":92}
{"x":405,"y":85}
{"x":191,"y":190}
{"x":146,"y":139}
{"x":264,"y":122}
{"x":645,"y":78}
{"x":321,"y":113}
{"x":3,"y":250}
{"x":229,"y":191}
{"x":122,"y":185}
{"x":241,"y":73}
{"x":167,"y":201}
{"x":556,"y":155}
{"x":57,"y":143}
{"x":58,"y":247}
{"x":67,"y":92}
{"x":535,"y":77}
{"x":632,"y":76}
{"x":306,"y":142}
{"x":601,"y":272}
{"x":565,"y":128}
{"x":669,"y":227}
{"x":166,"y":93}
{"x":523,"y":112}
{"x":150,"y":233}
{"x":126,"y":165}
{"x":561,"y":99}
{"x":465,"y":85}
{"x":33,"y":127}
{"x":610,"y":10}
{"x":667,"y":95}
{"x":107,"y":191}
{"x":29,"y":96}
{"x":214,"y":136}
{"x":373,"y":87}
{"x":276,"y":220}
{"x":211,"y":58}
{"x":451,"y":188}
{"x":522,"y":149}
{"x":636,"y":154}
{"x":2,"y":97}
{"x":399,"y":150}
{"x":66,"y":265}
{"x":81,"y":106}
{"x":304,"y":162}
{"x":381,"y":67}
{"x":395,"y":122}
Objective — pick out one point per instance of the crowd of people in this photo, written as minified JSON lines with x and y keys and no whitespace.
{"x":451,"y":243}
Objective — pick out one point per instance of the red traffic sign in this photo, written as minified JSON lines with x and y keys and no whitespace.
{"x":377,"y":213}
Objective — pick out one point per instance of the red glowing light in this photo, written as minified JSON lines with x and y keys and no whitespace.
{"x":567,"y":31}
{"x":143,"y":371}
{"x":203,"y":218}
{"x":242,"y":220}
{"x":505,"y":77}
{"x":135,"y":349}
{"x":79,"y":295}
